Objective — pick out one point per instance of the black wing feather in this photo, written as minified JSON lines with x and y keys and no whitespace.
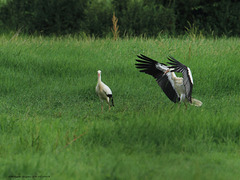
{"x":179,"y":67}
{"x":148,"y":66}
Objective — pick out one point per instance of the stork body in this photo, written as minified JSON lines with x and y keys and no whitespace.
{"x":177,"y":89}
{"x":104,"y":92}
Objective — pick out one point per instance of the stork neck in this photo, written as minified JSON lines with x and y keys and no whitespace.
{"x":99,"y":77}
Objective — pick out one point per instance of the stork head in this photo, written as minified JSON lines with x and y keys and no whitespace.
{"x":99,"y":73}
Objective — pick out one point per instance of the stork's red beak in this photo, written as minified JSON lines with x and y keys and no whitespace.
{"x":166,"y":71}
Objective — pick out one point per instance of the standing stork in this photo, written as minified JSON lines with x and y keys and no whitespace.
{"x":177,"y":89}
{"x":104,"y":92}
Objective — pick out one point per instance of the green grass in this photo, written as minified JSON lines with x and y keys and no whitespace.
{"x":51,"y":122}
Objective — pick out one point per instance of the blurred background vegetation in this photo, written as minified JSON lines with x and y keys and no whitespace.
{"x":135,"y":17}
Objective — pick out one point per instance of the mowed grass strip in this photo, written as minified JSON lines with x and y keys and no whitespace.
{"x":51,"y":122}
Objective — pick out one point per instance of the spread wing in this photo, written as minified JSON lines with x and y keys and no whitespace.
{"x":157,"y":70}
{"x":187,"y":76}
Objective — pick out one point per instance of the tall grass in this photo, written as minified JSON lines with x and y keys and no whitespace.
{"x":51,"y":122}
{"x":115,"y":27}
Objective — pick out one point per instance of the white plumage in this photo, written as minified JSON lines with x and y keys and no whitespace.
{"x":177,"y":89}
{"x":104,"y":92}
{"x":177,"y":83}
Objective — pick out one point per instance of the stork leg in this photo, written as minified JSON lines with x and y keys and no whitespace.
{"x":179,"y":104}
{"x":109,"y":107}
{"x":185,"y":105}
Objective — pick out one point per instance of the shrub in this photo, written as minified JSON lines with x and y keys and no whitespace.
{"x":44,"y":16}
{"x":97,"y":19}
{"x":138,"y":18}
{"x":211,"y":17}
{"x":135,"y":17}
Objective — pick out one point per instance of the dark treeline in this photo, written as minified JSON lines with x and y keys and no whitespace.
{"x":135,"y":17}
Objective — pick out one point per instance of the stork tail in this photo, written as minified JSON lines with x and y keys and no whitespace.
{"x":196,"y":102}
{"x":110,"y":99}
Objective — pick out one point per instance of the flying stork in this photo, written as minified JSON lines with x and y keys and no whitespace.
{"x":104,"y":92}
{"x":177,"y":89}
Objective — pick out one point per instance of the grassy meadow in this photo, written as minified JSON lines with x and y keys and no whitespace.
{"x":51,"y":125}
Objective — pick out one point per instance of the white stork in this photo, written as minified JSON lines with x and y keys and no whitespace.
{"x":177,"y":89}
{"x":104,"y":92}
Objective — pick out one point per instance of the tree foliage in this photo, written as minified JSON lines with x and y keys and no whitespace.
{"x":136,"y":17}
